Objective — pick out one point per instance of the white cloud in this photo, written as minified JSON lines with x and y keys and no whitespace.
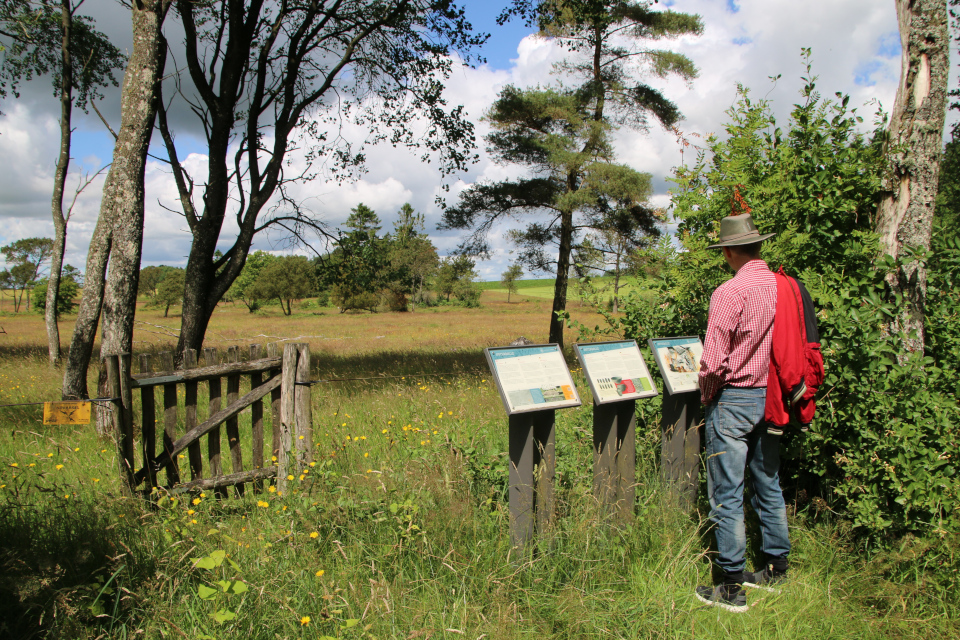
{"x":854,"y":51}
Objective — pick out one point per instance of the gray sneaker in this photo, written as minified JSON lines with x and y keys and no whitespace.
{"x":767,"y":579}
{"x":727,"y":596}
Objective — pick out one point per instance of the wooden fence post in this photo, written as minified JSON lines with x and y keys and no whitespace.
{"x":148,"y":411}
{"x":170,"y":420}
{"x":288,"y":395}
{"x":233,"y":424}
{"x":304,"y":410}
{"x":626,"y":458}
{"x":256,"y":418}
{"x":190,"y":416}
{"x":213,"y":438}
{"x":273,"y":351}
{"x":545,"y":459}
{"x":122,"y":417}
{"x":680,"y":449}
{"x":521,"y":485}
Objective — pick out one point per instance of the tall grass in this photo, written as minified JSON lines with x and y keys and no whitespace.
{"x":400,"y":529}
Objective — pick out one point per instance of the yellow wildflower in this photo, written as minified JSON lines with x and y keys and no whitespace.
{"x":304,"y":621}
{"x":314,"y":534}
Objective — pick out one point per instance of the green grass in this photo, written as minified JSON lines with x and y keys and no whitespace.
{"x":407,"y":503}
{"x":543,"y":288}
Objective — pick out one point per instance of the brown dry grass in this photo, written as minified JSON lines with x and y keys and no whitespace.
{"x":358,"y":341}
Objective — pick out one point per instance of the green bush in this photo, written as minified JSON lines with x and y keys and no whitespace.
{"x":881,"y":449}
{"x":66,"y":302}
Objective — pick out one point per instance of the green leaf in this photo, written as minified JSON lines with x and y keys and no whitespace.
{"x":223,"y":616}
{"x":206,"y":593}
{"x":352,"y":622}
{"x":233,"y":586}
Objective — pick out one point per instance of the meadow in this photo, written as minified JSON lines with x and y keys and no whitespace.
{"x":400,"y":528}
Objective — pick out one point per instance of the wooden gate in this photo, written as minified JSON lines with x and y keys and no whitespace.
{"x":285,"y":379}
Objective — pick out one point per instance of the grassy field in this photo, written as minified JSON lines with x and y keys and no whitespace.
{"x":543,"y":288}
{"x":400,"y":528}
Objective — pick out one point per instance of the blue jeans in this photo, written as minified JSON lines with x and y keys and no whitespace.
{"x":736,"y":438}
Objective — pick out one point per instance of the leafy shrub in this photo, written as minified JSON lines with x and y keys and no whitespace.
{"x":881,"y":449}
{"x":66,"y":302}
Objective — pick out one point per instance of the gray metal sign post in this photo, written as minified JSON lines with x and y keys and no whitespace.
{"x":533,"y":381}
{"x":618,"y":376}
{"x":679,"y":362}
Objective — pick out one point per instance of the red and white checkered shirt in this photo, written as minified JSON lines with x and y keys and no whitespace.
{"x":736,"y":351}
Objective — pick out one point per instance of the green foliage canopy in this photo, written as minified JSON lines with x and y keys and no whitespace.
{"x":879,"y":450}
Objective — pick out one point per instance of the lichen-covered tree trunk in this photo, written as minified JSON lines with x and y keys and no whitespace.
{"x":915,"y":139}
{"x":59,"y":182}
{"x":118,"y":236}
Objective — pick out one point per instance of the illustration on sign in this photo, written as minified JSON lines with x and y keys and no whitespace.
{"x":532,"y":378}
{"x":616,"y":371}
{"x":679,"y":361}
{"x":66,"y":413}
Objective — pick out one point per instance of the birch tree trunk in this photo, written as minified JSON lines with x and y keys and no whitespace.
{"x":59,"y":182}
{"x":915,"y":140}
{"x":118,"y":237}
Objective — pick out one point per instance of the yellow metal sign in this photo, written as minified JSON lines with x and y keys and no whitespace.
{"x":66,"y":413}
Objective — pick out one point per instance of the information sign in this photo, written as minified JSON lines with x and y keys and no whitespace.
{"x":66,"y":413}
{"x":532,"y":378}
{"x":679,"y":362}
{"x":616,"y":371}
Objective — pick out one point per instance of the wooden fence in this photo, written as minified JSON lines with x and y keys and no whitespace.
{"x":280,"y":380}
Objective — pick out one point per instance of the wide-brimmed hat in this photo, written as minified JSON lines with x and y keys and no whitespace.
{"x":737,"y":230}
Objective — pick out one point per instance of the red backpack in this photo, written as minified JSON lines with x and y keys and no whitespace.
{"x":796,"y":364}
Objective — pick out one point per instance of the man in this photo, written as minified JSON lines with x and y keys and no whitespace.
{"x":733,"y":381}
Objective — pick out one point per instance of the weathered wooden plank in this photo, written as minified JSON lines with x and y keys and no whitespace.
{"x":204,"y":373}
{"x":521,"y":480}
{"x":288,"y":395}
{"x":627,"y":457}
{"x":213,"y":437}
{"x":234,"y":479}
{"x":303,"y":442}
{"x":273,"y":351}
{"x":545,"y":459}
{"x":170,"y":421}
{"x":680,"y":445}
{"x":232,"y":424}
{"x":148,"y":412}
{"x":256,"y":417}
{"x":605,"y":475}
{"x":124,"y":443}
{"x":214,"y":421}
{"x":190,"y":415}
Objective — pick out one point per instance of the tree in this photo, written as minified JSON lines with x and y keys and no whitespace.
{"x":563,"y":135}
{"x":26,"y":258}
{"x":285,"y":279}
{"x":69,"y":291}
{"x":413,"y":258}
{"x":364,"y":221}
{"x":118,"y":235}
{"x":358,"y":269}
{"x":151,"y":277}
{"x":170,"y":290}
{"x":913,"y":147}
{"x":509,"y":279}
{"x":47,"y":40}
{"x":241,"y":289}
{"x":266,"y":77}
{"x":457,"y":278}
